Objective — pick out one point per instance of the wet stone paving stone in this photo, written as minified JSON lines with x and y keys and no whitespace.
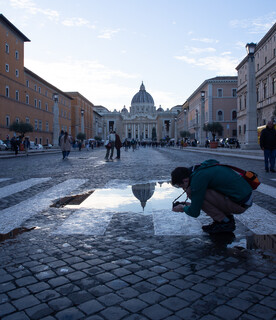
{"x":130,"y":266}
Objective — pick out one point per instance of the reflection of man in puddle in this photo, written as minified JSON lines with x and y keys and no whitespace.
{"x":218,"y":190}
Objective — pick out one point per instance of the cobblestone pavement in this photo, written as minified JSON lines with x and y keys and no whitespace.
{"x":128,"y":272}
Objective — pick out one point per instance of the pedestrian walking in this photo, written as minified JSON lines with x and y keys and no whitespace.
{"x":26,"y":144}
{"x":65,"y":145}
{"x":216,"y":189}
{"x":118,"y":145}
{"x":60,"y":135}
{"x":87,"y":145}
{"x":268,"y":145}
{"x":79,"y":145}
{"x":110,"y":144}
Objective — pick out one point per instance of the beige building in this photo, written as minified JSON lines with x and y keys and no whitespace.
{"x":24,"y":96}
{"x":265,"y":71}
{"x":213,"y":101}
{"x":81,"y":115}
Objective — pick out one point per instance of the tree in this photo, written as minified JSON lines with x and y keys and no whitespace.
{"x":214,"y":128}
{"x":185,"y":134}
{"x":98,"y":138}
{"x":81,"y":136}
{"x":21,"y":127}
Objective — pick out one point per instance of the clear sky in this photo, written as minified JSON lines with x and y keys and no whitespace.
{"x":104,"y":49}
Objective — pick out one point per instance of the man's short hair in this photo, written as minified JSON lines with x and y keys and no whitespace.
{"x":178,"y":174}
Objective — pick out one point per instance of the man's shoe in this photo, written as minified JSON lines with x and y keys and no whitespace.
{"x":219,"y":227}
{"x":272,"y":170}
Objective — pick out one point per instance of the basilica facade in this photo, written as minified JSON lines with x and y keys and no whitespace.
{"x":142,"y":122}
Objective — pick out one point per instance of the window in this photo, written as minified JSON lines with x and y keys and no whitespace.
{"x":234,"y":92}
{"x":7,"y":67}
{"x":40,"y":140}
{"x":257,"y":94}
{"x":220,"y":115}
{"x":39,"y":89}
{"x":27,"y":99}
{"x":273,"y":85}
{"x":244,"y":128}
{"x":16,"y":73}
{"x":36,"y":123}
{"x":17,"y":120}
{"x":220,"y":93}
{"x":264,"y":122}
{"x":239,"y":129}
{"x":7,"y":48}
{"x":265,"y":90}
{"x":7,"y":92}
{"x":240,"y":103}
{"x":17,"y":95}
{"x":234,"y":132}
{"x":47,"y":126}
{"x":265,"y":60}
{"x":234,"y":115}
{"x":27,"y":83}
{"x":8,"y":121}
{"x":39,"y":104}
{"x":16,"y":55}
{"x":258,"y":67}
{"x":27,"y":120}
{"x":245,"y":101}
{"x":35,"y":103}
{"x":40,"y":125}
{"x":35,"y":87}
{"x":46,"y":106}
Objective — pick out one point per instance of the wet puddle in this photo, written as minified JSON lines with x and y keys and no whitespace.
{"x":139,"y":198}
{"x":71,"y":200}
{"x":12,"y":234}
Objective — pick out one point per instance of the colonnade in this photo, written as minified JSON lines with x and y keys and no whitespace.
{"x":139,"y":129}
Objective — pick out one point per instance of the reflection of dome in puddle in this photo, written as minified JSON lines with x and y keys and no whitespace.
{"x":143,"y":192}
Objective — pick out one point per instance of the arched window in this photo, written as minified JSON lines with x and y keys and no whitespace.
{"x":220,"y":115}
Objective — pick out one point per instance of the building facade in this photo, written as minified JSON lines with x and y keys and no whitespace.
{"x":81,"y":115}
{"x":142,"y":121}
{"x":24,"y":96}
{"x":265,"y":75}
{"x":215,"y":100}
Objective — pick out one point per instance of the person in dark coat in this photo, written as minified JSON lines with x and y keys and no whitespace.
{"x":268,"y":144}
{"x":118,"y":145}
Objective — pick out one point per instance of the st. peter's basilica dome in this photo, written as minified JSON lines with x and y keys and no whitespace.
{"x":142,"y":97}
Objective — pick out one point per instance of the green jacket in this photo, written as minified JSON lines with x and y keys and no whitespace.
{"x":222,"y":179}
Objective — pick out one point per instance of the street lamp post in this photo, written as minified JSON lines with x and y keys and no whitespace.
{"x":251,"y":135}
{"x":175,"y":130}
{"x":56,"y":121}
{"x":82,"y":121}
{"x":202,"y":120}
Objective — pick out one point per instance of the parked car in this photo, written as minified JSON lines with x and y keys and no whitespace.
{"x":35,"y":146}
{"x":3,"y":146}
{"x":48,"y":146}
{"x":232,"y":143}
{"x":8,"y":143}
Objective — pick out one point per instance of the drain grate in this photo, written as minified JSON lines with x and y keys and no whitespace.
{"x":72,"y":200}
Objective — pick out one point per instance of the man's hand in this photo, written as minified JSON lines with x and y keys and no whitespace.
{"x":178,"y":208}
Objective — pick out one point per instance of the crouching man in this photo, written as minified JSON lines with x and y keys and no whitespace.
{"x":216,"y":189}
